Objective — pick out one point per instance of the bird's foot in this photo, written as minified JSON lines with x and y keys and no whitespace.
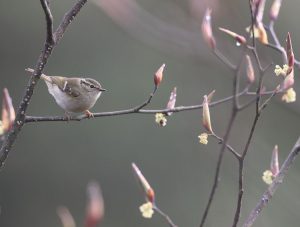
{"x":67,"y":116}
{"x":89,"y":114}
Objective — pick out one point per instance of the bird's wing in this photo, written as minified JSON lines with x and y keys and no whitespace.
{"x":64,"y":86}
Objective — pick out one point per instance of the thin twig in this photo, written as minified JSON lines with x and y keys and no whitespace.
{"x":67,"y":19}
{"x":135,"y":110}
{"x":217,"y":172}
{"x":41,"y":62}
{"x":268,"y":194}
{"x":165,"y":216}
{"x":262,"y":72}
{"x":230,"y":148}
{"x":49,"y":21}
{"x":224,"y":59}
{"x":277,"y":42}
{"x":235,"y":109}
{"x":241,"y":173}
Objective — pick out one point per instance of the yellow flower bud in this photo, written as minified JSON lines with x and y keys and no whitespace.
{"x":147,"y":210}
{"x":268,"y":177}
{"x":203,"y":138}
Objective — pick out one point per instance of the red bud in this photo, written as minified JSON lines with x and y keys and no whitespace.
{"x":274,"y":166}
{"x":290,"y":52}
{"x":240,"y":39}
{"x":8,"y":111}
{"x":95,"y":206}
{"x":149,"y":192}
{"x":207,"y":30}
{"x":158,"y":76}
{"x":66,"y":217}
{"x":275,"y":8}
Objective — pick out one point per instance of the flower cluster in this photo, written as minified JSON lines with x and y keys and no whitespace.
{"x":203,"y":138}
{"x":161,"y":118}
{"x":281,"y":71}
{"x":289,"y":95}
{"x":147,"y":210}
{"x":268,"y":177}
{"x":270,"y":174}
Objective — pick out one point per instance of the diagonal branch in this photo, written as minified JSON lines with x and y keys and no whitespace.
{"x":49,"y":21}
{"x":268,"y":194}
{"x":165,"y":216}
{"x":67,"y":19}
{"x":41,"y":62}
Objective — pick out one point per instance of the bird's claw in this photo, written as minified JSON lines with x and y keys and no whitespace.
{"x":89,"y":114}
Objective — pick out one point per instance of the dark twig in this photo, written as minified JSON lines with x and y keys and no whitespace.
{"x":235,"y":109}
{"x":67,"y":19}
{"x":137,"y":108}
{"x":241,"y":172}
{"x":259,"y":108}
{"x":262,"y":72}
{"x":230,"y":148}
{"x":224,"y":59}
{"x":268,"y":194}
{"x":217,"y":172}
{"x":41,"y":62}
{"x":49,"y":21}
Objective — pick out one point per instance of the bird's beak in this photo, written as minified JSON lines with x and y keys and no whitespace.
{"x":102,"y":89}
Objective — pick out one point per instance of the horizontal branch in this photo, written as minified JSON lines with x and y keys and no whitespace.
{"x":268,"y":194}
{"x":136,"y":110}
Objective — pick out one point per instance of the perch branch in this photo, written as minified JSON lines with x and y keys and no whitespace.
{"x":51,"y":41}
{"x":137,"y":110}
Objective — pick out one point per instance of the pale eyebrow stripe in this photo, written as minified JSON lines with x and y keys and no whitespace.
{"x":85,"y":82}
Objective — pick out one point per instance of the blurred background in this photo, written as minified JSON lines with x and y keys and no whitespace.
{"x":122,"y":43}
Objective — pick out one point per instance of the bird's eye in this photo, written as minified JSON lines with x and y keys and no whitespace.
{"x":92,"y":86}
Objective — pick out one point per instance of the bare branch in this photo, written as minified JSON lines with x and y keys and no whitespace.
{"x":138,"y":110}
{"x":224,"y":59}
{"x":241,"y":172}
{"x":49,"y":21}
{"x":165,"y":216}
{"x":147,"y":102}
{"x":230,"y":148}
{"x":268,"y":194}
{"x":218,"y":167}
{"x":41,"y":62}
{"x":67,"y":19}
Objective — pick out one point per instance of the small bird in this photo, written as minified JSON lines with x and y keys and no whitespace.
{"x":74,"y":95}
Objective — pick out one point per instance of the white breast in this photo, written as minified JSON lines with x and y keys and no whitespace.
{"x":68,"y":103}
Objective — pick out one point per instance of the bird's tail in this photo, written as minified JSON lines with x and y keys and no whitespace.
{"x":43,"y":76}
